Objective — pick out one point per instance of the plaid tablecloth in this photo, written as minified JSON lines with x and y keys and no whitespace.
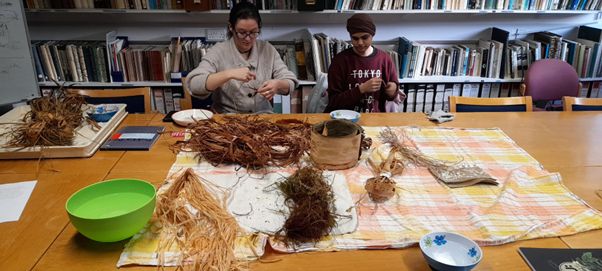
{"x":529,"y":202}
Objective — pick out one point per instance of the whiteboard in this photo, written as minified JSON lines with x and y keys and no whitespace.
{"x":17,"y":72}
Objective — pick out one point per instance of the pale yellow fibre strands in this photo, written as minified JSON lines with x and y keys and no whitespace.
{"x":193,"y":220}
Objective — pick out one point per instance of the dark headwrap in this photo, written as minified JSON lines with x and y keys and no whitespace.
{"x":361,"y":22}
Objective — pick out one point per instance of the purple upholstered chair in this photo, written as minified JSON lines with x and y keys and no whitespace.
{"x":548,"y":80}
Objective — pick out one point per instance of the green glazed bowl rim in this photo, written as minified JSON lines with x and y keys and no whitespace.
{"x":152,"y":198}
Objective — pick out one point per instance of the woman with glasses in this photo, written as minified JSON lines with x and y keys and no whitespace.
{"x":242,"y":73}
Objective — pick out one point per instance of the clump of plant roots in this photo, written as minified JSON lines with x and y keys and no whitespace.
{"x":311,"y":203}
{"x":52,"y":121}
{"x":380,"y":188}
{"x":198,"y":224}
{"x":250,"y":141}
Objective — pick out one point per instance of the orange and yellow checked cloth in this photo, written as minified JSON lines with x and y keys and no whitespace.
{"x":529,"y":202}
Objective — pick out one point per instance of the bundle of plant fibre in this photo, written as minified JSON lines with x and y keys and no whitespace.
{"x":311,"y":203}
{"x":191,"y":218}
{"x":453,"y":174}
{"x":52,"y":121}
{"x":249,"y":141}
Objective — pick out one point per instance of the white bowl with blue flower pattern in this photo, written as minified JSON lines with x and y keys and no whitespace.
{"x":446,"y":251}
{"x":344,"y":114}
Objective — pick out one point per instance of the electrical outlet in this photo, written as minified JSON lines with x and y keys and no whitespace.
{"x":216,"y":34}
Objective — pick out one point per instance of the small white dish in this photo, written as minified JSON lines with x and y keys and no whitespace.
{"x":344,"y":114}
{"x":189,"y":116}
{"x":446,"y":251}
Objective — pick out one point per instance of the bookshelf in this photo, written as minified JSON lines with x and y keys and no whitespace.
{"x":275,"y":20}
{"x":133,"y":84}
{"x":161,"y":25}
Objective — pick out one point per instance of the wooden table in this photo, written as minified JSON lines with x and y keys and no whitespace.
{"x":43,"y":239}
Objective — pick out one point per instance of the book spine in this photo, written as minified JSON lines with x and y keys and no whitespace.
{"x":159,"y":101}
{"x":300,"y":60}
{"x":169,"y":100}
{"x":82,"y":64}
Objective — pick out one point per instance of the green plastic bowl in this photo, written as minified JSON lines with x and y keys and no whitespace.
{"x":112,"y":210}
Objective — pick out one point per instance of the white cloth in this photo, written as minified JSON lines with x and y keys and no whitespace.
{"x":440,"y":116}
{"x":258,"y":204}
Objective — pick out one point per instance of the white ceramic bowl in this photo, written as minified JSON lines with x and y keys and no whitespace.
{"x":446,"y":251}
{"x":345,"y":115}
{"x":189,"y":116}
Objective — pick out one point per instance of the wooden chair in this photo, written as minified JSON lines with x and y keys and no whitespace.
{"x":471,"y":104}
{"x":581,"y":104}
{"x":138,"y":100}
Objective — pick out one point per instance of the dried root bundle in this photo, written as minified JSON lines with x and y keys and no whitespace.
{"x":52,"y":121}
{"x":249,"y":141}
{"x":311,"y":203}
{"x":198,"y":224}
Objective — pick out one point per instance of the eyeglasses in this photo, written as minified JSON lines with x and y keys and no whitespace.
{"x":244,"y":35}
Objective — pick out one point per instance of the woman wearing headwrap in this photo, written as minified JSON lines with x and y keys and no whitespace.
{"x":361,"y":78}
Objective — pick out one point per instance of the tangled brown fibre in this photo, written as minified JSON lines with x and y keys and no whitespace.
{"x":197,"y":223}
{"x":52,"y":121}
{"x":311,"y":203}
{"x":249,"y":141}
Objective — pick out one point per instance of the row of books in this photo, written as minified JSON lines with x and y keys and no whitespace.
{"x":500,"y":57}
{"x":324,"y":4}
{"x":482,"y":58}
{"x":104,"y":4}
{"x":119,"y":60}
{"x":130,"y":61}
{"x":468,"y":4}
{"x":156,"y":4}
{"x":326,"y":48}
{"x":432,"y":97}
{"x":125,"y":4}
{"x":141,"y":61}
{"x":295,"y":56}
{"x":497,"y":57}
{"x":75,"y":61}
{"x":165,"y":100}
{"x":187,"y":53}
{"x":417,"y":59}
{"x":583,"y":54}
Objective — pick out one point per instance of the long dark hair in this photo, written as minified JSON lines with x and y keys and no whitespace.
{"x":243,"y":10}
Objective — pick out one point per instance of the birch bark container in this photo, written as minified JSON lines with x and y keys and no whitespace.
{"x":335,"y":144}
